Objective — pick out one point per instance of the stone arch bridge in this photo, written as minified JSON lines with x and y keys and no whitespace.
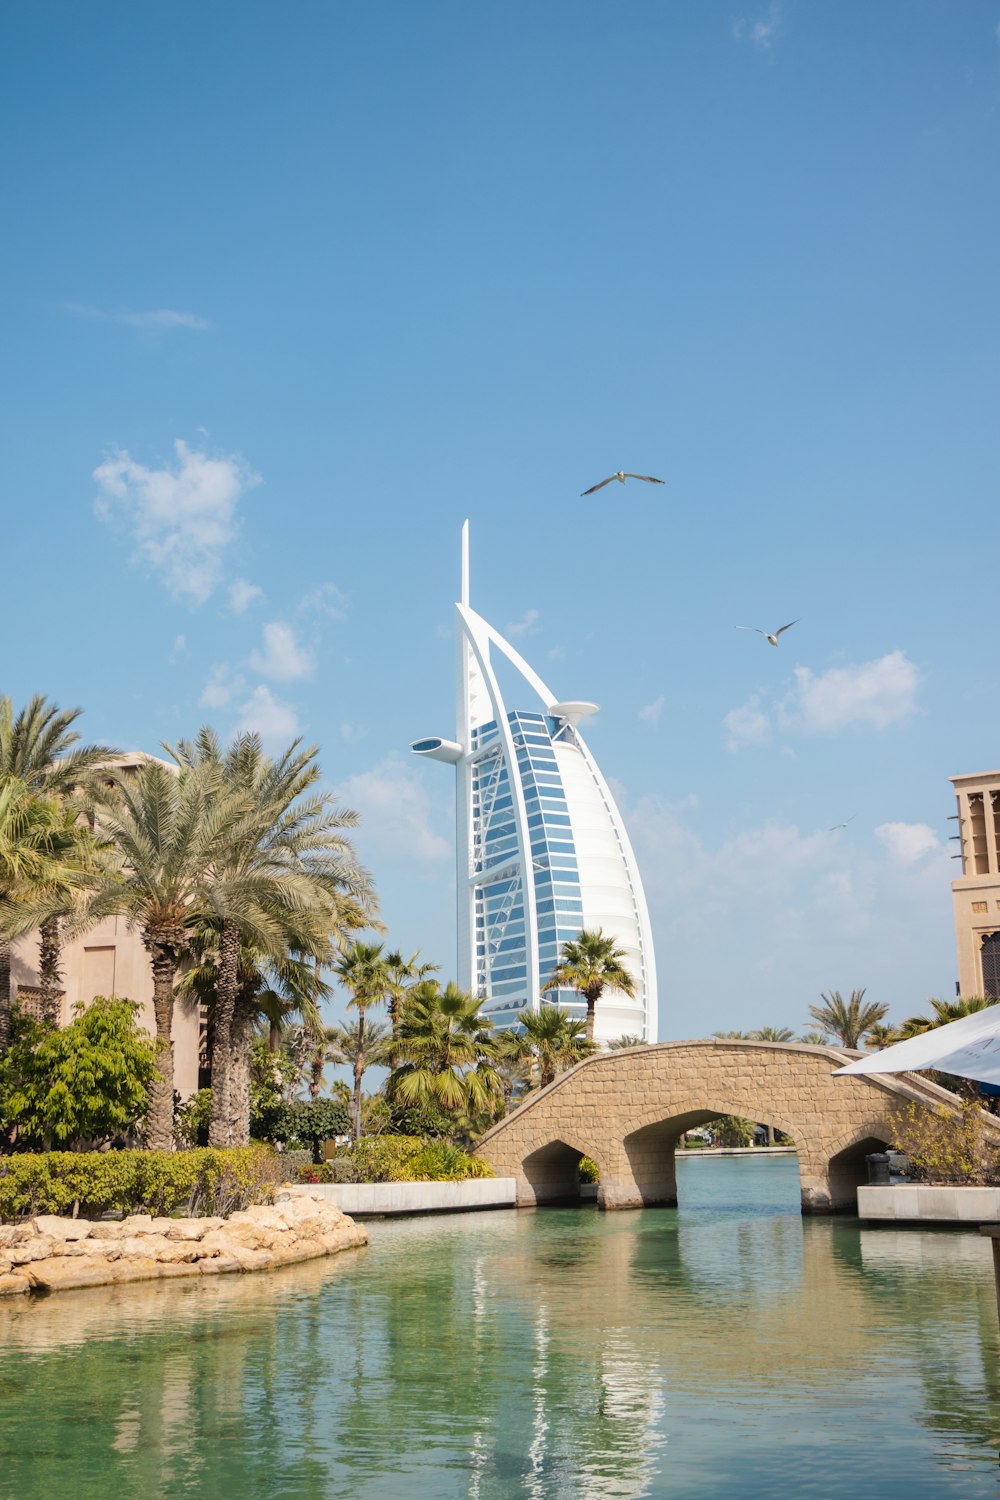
{"x":627,"y":1110}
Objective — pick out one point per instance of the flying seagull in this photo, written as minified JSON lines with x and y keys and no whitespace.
{"x":842,"y":825}
{"x":621,"y":476}
{"x":772,"y":640}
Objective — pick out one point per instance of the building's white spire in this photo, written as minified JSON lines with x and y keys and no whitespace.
{"x":465,"y":563}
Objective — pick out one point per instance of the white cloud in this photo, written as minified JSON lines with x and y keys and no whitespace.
{"x":650,"y":714}
{"x":282,"y":659}
{"x":272,"y":718}
{"x":242,"y":594}
{"x":907,"y":843}
{"x":749,"y":724}
{"x":398,"y":819}
{"x":879,"y":693}
{"x":157,"y":317}
{"x":327,"y":600}
{"x":179,"y":648}
{"x":876,"y":694}
{"x":557,"y":653}
{"x":763,"y":31}
{"x":182,"y":517}
{"x":222,"y":687}
{"x":526,"y":625}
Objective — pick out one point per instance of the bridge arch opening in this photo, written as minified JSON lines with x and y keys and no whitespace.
{"x":848,"y":1170}
{"x":651,"y":1151}
{"x":553,"y":1173}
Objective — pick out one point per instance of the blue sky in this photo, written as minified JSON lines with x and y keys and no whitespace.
{"x":290,"y":291}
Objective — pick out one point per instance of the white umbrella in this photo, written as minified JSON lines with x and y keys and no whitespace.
{"x":969,"y":1048}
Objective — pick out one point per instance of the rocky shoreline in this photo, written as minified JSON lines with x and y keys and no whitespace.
{"x":49,"y":1253}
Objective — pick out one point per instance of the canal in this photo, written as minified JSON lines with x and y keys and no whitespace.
{"x":727,"y":1348}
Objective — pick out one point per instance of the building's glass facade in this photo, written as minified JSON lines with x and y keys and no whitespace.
{"x":542,"y":850}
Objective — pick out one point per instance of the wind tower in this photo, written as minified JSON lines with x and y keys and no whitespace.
{"x":541,"y":847}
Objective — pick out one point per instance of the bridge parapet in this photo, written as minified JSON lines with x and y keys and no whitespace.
{"x":627,"y":1109}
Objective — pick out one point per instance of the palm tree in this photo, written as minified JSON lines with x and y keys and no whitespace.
{"x":39,"y":856}
{"x":448,"y":1052}
{"x":363,"y":970}
{"x":281,"y":874}
{"x":362,"y":1045}
{"x":590,"y":964}
{"x":170,"y":831}
{"x":847,"y":1020}
{"x":815,"y":1038}
{"x":401,"y":975}
{"x":552,"y":1040}
{"x":627,"y":1041}
{"x":879,"y":1036}
{"x":734,"y":1036}
{"x":772,"y":1034}
{"x":944,"y":1011}
{"x":40,"y":748}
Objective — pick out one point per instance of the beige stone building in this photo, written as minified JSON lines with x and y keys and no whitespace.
{"x":977,"y":891}
{"x":110,"y":959}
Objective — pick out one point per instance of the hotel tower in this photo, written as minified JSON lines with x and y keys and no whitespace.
{"x":541,"y":847}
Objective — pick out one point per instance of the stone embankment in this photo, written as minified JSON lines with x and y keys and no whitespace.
{"x":49,"y":1253}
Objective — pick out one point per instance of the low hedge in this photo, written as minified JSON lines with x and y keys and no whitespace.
{"x":398,"y":1158}
{"x":92,"y":1183}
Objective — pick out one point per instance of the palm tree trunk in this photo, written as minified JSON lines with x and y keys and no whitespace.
{"x":48,"y":969}
{"x":241,"y":1047}
{"x":220,"y":1123}
{"x":591,"y":1015}
{"x":359,"y":1072}
{"x":5,"y":996}
{"x":160,"y":1113}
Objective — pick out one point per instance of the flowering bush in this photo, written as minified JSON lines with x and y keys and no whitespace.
{"x":405,"y":1158}
{"x":960,"y":1147}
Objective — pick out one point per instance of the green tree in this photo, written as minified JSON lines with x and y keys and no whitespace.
{"x":362,"y":969}
{"x":361,"y":1045}
{"x":39,"y":854}
{"x":40,"y":747}
{"x":734,"y":1036}
{"x":448,"y":1052}
{"x":551,"y":1040}
{"x":86,"y":1083}
{"x":772,"y":1034}
{"x":620,"y":1042}
{"x":943,"y":1011}
{"x":879,"y":1036}
{"x":847,"y":1020}
{"x":169,"y":830}
{"x":815,"y":1038}
{"x":401,"y":975}
{"x":591,"y":964}
{"x":284,"y":867}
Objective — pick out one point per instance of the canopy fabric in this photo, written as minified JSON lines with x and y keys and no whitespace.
{"x":969,"y":1048}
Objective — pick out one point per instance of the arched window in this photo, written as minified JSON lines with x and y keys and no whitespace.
{"x":991,"y":965}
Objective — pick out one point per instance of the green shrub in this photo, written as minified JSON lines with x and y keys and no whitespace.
{"x":960,"y":1147}
{"x":93,"y":1183}
{"x":405,"y":1158}
{"x":588,"y":1170}
{"x":307,"y":1122}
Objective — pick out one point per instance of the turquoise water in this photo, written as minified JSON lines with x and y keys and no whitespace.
{"x":727,"y":1348}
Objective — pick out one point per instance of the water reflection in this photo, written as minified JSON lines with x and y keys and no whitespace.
{"x":726,"y":1349}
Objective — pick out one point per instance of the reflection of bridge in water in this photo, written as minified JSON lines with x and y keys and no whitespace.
{"x":627,"y":1110}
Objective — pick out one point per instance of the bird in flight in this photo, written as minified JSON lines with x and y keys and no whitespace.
{"x":842,"y":825}
{"x":772,"y":640}
{"x":621,"y":476}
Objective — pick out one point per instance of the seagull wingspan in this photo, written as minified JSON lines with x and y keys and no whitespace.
{"x":647,"y":477}
{"x":600,"y":486}
{"x":786,"y":627}
{"x":755,"y":628}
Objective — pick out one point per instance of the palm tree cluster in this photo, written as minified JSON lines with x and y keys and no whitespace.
{"x":229,"y":863}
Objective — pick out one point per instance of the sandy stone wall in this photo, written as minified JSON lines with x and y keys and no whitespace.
{"x":627,"y":1109}
{"x":49,"y":1253}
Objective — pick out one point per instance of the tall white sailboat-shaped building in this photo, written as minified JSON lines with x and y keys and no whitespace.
{"x":542,"y":849}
